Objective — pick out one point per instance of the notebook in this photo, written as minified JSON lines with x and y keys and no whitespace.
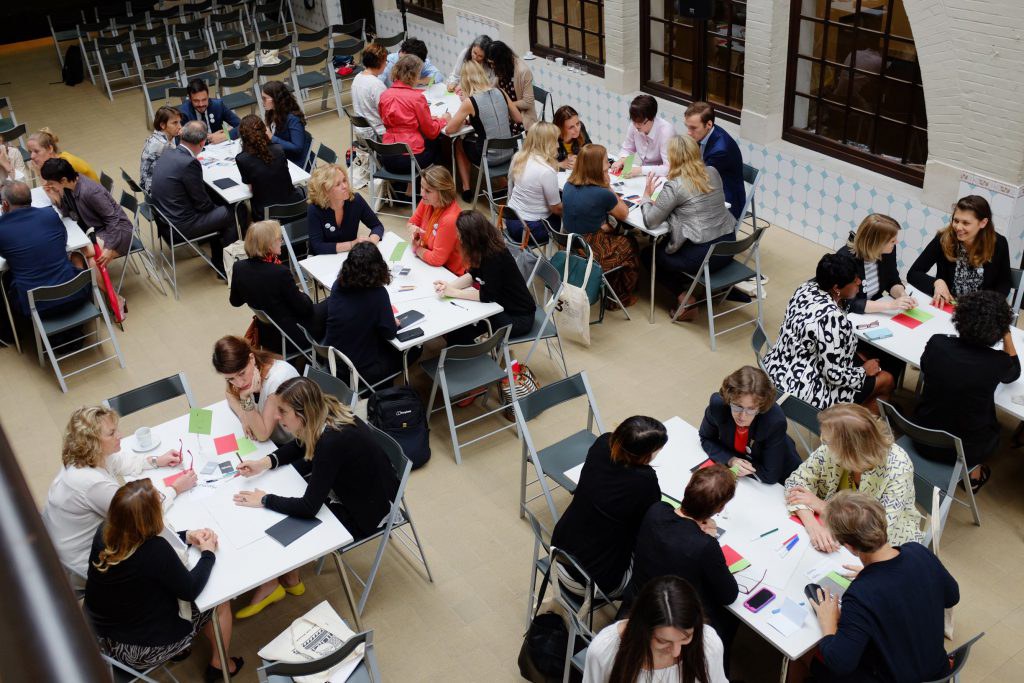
{"x":291,"y":528}
{"x":224,"y":183}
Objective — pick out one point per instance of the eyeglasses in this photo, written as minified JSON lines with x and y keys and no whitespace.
{"x":747,"y":591}
{"x":740,"y":410}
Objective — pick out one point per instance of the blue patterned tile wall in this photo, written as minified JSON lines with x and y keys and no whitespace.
{"x":818,"y":203}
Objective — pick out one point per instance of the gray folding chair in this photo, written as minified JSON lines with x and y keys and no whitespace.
{"x":151,"y":394}
{"x":959,"y":660}
{"x":378,"y":172}
{"x":542,"y":96}
{"x":580,"y":610}
{"x":803,"y":414}
{"x":393,"y":526}
{"x":759,"y":342}
{"x":544,"y":328}
{"x":206,"y":68}
{"x":390,"y":41}
{"x":175,"y":240}
{"x":151,"y":46}
{"x":352,"y":31}
{"x":462,"y":369}
{"x":944,"y":476}
{"x":300,"y":351}
{"x":294,"y":232}
{"x":156,"y":84}
{"x":541,"y":561}
{"x":313,"y":70}
{"x":316,"y":40}
{"x":1018,"y":293}
{"x":490,"y":172}
{"x":240,"y":55}
{"x":62,"y":31}
{"x":335,"y":386}
{"x":366,"y":672}
{"x":752,"y":177}
{"x":552,"y":462}
{"x":191,"y":38}
{"x":69,"y":318}
{"x":229,"y":26}
{"x":244,"y":85}
{"x":115,"y":64}
{"x":721,"y":282}
{"x":271,"y":19}
{"x":334,"y":360}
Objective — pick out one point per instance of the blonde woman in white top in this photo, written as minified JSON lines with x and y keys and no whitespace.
{"x":533,"y":183}
{"x":665,"y":640}
{"x":80,"y":494}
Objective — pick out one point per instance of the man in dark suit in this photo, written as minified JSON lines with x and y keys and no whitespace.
{"x":201,"y":107}
{"x":719,"y":150}
{"x":179,"y":192}
{"x":34,"y":242}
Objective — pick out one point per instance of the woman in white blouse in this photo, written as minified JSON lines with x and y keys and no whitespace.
{"x":664,"y":640}
{"x":533,"y":184}
{"x":252,"y":376}
{"x":80,"y":494}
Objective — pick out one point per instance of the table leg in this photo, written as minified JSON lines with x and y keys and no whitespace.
{"x":785,"y":669}
{"x":224,"y":662}
{"x":405,"y":365}
{"x":10,"y":316}
{"x":348,"y":590}
{"x":654,"y":249}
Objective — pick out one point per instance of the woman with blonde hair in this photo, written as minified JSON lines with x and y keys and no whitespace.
{"x":533,"y":184}
{"x":252,"y":376}
{"x":263,"y":283}
{"x":335,"y":212}
{"x":857,"y":453}
{"x":488,"y":111}
{"x":343,"y":464}
{"x":263,"y":166}
{"x":968,"y":255}
{"x":432,"y":231}
{"x":587,"y":204}
{"x":691,"y":204}
{"x":140,"y":594}
{"x":81,"y":492}
{"x":42,"y":145}
{"x":873,"y":248}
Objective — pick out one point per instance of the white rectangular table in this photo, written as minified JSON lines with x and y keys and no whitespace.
{"x":245,"y":558}
{"x":755,"y":509}
{"x":76,"y":241}
{"x":908,"y":344}
{"x":218,"y":161}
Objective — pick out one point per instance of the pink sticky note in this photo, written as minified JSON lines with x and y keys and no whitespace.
{"x":948,"y":308}
{"x":169,"y":481}
{"x":796,"y":518}
{"x":225,"y":444}
{"x":906,"y":320}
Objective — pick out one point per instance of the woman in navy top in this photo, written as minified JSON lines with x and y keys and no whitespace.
{"x":335,"y":213}
{"x":286,"y":122}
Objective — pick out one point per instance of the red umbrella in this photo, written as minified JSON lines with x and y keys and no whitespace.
{"x":108,"y":287}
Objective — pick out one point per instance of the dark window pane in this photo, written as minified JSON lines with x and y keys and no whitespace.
{"x":575,"y":28}
{"x":431,"y":9}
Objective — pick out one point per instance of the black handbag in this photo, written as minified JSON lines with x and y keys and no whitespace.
{"x":542,"y":657}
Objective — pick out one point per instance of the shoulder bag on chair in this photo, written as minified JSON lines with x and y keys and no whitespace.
{"x":312,"y":636}
{"x":579,"y":277}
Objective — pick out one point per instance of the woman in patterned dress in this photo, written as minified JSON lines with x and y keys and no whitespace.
{"x":815,"y":357}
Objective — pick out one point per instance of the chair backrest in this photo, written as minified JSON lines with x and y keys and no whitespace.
{"x":390,"y":41}
{"x":960,"y":655}
{"x":335,"y":386}
{"x":1018,"y":291}
{"x":131,"y":183}
{"x":801,"y":412}
{"x":276,"y":43}
{"x":936,"y":438}
{"x":129,"y":203}
{"x":736,"y":247}
{"x":544,"y":97}
{"x":549,"y":275}
{"x":286,"y":212}
{"x":400,"y":463}
{"x":347,"y":49}
{"x":242,"y":79}
{"x":759,"y":342}
{"x":326,"y":154}
{"x":469,"y":351}
{"x":381,"y":149}
{"x":750,"y":174}
{"x":574,"y":604}
{"x":357,"y":121}
{"x":274,"y":69}
{"x":355,"y":29}
{"x":143,"y":397}
{"x":54,"y":292}
{"x":492,"y":144}
{"x":574,"y":386}
{"x":238,"y":52}
{"x":290,"y":671}
{"x":13,"y":133}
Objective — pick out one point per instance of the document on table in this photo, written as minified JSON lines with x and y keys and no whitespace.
{"x":788,"y":618}
{"x":240,"y":525}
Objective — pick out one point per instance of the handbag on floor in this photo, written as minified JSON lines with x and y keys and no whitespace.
{"x":314,"y":635}
{"x":524,"y":383}
{"x":542,"y":655}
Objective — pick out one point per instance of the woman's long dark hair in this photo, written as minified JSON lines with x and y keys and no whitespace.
{"x":664,"y":601}
{"x":284,"y":104}
{"x":478,"y":238}
{"x":502,"y":58}
{"x":254,"y":138}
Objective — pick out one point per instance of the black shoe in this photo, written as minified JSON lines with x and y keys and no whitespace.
{"x":467,"y":195}
{"x":737,"y":295}
{"x":213,"y":675}
{"x":183,"y":655}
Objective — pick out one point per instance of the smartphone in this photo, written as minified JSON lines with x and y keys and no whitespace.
{"x":410,"y":334}
{"x":757,"y":601}
{"x":409,"y":317}
{"x":880,"y":333}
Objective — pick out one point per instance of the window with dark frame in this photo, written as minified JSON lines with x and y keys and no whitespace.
{"x":571,"y":29}
{"x":429,"y":9}
{"x":853,"y":86}
{"x":688,"y":60}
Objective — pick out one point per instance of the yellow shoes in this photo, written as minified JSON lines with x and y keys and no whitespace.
{"x":297,"y":589}
{"x":256,"y":608}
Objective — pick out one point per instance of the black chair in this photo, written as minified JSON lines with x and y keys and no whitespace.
{"x":367,"y":671}
{"x":245,"y":96}
{"x":390,"y":41}
{"x":803,"y":414}
{"x":959,"y":659}
{"x":151,"y":394}
{"x":377,"y":170}
{"x":353,"y":30}
{"x":544,"y":97}
{"x":241,"y":54}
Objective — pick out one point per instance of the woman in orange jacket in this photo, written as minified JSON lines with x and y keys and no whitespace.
{"x":434,"y":237}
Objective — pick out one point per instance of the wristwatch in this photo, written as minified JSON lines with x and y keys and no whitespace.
{"x":151,"y":459}
{"x":248,"y":403}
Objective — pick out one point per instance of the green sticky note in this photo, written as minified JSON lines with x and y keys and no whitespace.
{"x":399,"y":251}
{"x":840,"y":580}
{"x":245,"y":446}
{"x":627,"y":165}
{"x":226,"y":128}
{"x":670,"y":500}
{"x":918,"y":314}
{"x":200,"y":421}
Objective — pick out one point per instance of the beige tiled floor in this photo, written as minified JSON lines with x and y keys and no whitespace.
{"x":468,"y":624}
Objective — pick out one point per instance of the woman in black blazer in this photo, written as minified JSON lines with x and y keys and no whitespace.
{"x":968,"y":255}
{"x":264,"y":283}
{"x":745,"y":429}
{"x":264,"y":167}
{"x":873,"y":249}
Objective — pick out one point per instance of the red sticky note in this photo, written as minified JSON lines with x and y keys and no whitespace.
{"x":733,"y":560}
{"x":947,"y":307}
{"x":707,"y":463}
{"x":796,"y":518}
{"x":906,"y":320}
{"x":169,"y":481}
{"x":225,"y":444}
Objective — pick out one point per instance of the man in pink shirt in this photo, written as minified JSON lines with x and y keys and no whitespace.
{"x":647,"y":139}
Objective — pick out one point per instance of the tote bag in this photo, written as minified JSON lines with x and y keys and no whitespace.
{"x":572,"y":314}
{"x":314,"y":635}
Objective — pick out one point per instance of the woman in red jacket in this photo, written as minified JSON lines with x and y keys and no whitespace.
{"x":433,"y":234}
{"x":406,"y":117}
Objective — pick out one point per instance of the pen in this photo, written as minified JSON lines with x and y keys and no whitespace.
{"x":239,"y":456}
{"x":767,"y":533}
{"x":458,"y":306}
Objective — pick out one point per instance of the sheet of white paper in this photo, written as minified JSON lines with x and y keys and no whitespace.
{"x":239,"y":525}
{"x":788,"y":617}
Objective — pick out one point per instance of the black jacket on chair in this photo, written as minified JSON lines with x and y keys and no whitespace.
{"x":769,"y":448}
{"x":270,"y":288}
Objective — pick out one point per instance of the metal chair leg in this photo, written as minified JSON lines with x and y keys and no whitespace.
{"x":348,"y":588}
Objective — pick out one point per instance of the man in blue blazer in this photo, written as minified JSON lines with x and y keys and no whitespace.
{"x":201,"y":107}
{"x":719,"y":150}
{"x":34,"y":242}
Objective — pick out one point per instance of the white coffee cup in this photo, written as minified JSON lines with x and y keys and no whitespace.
{"x":144,"y":437}
{"x":528,"y":55}
{"x":559,"y":61}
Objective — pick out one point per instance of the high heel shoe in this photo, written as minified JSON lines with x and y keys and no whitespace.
{"x":252,"y":610}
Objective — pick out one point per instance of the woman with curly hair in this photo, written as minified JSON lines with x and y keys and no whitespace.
{"x":264,"y":167}
{"x":286,"y":122}
{"x":335,"y":212}
{"x":493,"y":276}
{"x":360,"y":320}
{"x":962,"y":373}
{"x":81,"y":492}
{"x":968,"y":255}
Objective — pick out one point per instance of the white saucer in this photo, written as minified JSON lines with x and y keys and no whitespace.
{"x":145,"y":450}
{"x":530,"y":58}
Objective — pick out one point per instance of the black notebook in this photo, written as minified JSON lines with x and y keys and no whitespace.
{"x":291,"y":528}
{"x":224,"y":183}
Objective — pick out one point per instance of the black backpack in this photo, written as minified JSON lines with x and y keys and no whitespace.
{"x":398,"y":412}
{"x":72,"y":73}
